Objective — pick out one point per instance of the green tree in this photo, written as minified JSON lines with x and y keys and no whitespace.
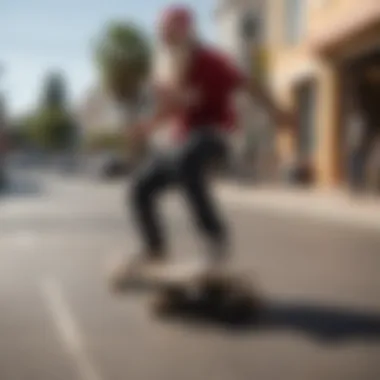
{"x":52,"y":127}
{"x":54,"y":91}
{"x":123,"y":55}
{"x":108,"y":141}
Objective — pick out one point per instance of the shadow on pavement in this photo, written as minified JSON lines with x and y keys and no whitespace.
{"x":327,"y":324}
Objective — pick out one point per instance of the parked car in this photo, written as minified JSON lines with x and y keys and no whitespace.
{"x":3,"y":151}
{"x":2,"y":176}
{"x":111,"y":166}
{"x":115,"y":167}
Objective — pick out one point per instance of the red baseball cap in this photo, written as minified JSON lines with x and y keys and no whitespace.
{"x":176,"y":19}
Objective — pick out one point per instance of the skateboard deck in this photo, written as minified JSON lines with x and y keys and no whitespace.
{"x":165,"y":276}
{"x":228,"y":297}
{"x":172,"y":275}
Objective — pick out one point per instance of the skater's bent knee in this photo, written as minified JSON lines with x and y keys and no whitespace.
{"x":139,"y":190}
{"x":188,"y":168}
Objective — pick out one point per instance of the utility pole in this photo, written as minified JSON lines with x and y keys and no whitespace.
{"x":2,"y":107}
{"x":2,"y":133}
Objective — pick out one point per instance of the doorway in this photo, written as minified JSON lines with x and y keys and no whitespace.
{"x":305,"y":96}
{"x":361,"y":122}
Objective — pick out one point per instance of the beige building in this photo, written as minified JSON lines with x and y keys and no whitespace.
{"x":241,"y":32}
{"x":97,"y":113}
{"x":317,"y":56}
{"x":320,"y":55}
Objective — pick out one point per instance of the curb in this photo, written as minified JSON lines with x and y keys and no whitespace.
{"x":317,"y":208}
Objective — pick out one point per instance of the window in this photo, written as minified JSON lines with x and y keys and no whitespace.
{"x":295,"y":16}
{"x":253,"y":23}
{"x":252,"y":36}
{"x":250,"y":27}
{"x":306,"y":98}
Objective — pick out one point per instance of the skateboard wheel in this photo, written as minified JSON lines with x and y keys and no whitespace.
{"x":240,"y":305}
{"x":213,"y":290}
{"x":168,"y":301}
{"x":116,"y":285}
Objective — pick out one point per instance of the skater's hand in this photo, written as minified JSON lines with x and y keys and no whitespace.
{"x":264,"y":98}
{"x":189,"y":98}
{"x":139,"y":133}
{"x":285,"y":119}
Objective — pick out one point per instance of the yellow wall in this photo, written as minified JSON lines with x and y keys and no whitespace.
{"x":332,"y":11}
{"x":289,"y":64}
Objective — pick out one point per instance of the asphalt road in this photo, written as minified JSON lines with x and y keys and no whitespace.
{"x":59,"y":321}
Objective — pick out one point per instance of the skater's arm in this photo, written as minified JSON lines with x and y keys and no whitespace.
{"x":236,"y":80}
{"x":167,"y":104}
{"x":165,"y":108}
{"x":262,"y":96}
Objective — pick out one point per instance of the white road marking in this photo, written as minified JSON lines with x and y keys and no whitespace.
{"x":68,"y":330}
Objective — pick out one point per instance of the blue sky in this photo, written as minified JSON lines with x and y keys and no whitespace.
{"x":39,"y":35}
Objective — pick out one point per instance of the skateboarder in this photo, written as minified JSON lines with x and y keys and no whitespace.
{"x":199,"y":97}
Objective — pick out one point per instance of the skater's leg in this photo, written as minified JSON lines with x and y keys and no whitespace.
{"x":147,"y":185}
{"x":194,"y":162}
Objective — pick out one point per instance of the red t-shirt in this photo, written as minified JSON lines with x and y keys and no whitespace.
{"x":214,"y":79}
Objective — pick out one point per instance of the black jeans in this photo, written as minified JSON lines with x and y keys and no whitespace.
{"x":186,"y":168}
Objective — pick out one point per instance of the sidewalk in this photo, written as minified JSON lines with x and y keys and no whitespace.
{"x":333,"y":206}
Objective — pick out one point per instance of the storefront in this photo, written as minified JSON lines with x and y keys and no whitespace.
{"x":349,"y":88}
{"x":360,"y":125}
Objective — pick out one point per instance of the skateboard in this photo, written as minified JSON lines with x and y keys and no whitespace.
{"x":191,"y":288}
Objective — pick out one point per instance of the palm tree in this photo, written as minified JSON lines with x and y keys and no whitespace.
{"x":2,"y":136}
{"x":123,"y":58}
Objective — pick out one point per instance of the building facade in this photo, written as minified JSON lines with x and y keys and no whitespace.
{"x":241,"y":27}
{"x":320,"y":58}
{"x":96,"y":114}
{"x":323,"y":56}
{"x":3,"y":142}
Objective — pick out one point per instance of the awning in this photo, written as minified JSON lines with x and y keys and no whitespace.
{"x":345,"y":29}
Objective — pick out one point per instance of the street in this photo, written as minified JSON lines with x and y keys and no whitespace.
{"x":59,"y":321}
